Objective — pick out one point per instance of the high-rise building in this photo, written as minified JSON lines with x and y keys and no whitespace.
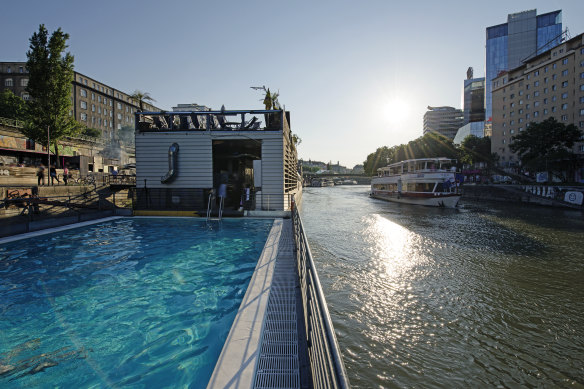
{"x":548,"y":85}
{"x":474,"y":100}
{"x":524,"y":36}
{"x":443,"y":120}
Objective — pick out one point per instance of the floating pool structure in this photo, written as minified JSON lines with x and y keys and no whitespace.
{"x":135,"y":301}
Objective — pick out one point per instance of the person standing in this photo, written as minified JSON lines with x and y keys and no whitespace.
{"x":65,"y":174}
{"x":41,"y":175}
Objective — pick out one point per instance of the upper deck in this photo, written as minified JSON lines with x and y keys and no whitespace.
{"x":420,"y":165}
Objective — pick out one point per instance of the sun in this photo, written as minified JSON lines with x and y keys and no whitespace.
{"x":397,"y":110}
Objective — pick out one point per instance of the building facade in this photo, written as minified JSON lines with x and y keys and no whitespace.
{"x":443,"y":120}
{"x":548,"y":85}
{"x":524,"y":36}
{"x":474,"y":100}
{"x":94,"y":103}
{"x":473,"y":128}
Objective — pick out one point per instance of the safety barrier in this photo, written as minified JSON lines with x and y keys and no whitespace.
{"x":326,"y":363}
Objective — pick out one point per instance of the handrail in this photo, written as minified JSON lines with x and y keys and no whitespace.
{"x":209,"y":206}
{"x":326,"y":363}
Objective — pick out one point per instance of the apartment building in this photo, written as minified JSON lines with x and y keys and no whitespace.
{"x":548,"y":85}
{"x":94,"y":103}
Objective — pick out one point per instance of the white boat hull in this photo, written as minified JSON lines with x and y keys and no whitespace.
{"x":446,"y":200}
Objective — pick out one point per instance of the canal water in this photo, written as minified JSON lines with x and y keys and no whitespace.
{"x":487,"y":295}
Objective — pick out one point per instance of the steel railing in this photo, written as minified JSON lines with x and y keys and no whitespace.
{"x":326,"y":363}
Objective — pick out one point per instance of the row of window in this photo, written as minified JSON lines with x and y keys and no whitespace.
{"x":10,"y":82}
{"x":20,"y":69}
{"x":103,"y":89}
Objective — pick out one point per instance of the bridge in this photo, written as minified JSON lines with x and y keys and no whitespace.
{"x":361,"y":179}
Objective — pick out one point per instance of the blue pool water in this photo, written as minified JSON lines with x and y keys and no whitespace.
{"x":133,"y":303}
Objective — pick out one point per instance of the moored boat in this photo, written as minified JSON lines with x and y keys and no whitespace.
{"x":424,"y":181}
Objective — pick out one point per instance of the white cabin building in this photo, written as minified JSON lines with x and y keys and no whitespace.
{"x":184,"y":158}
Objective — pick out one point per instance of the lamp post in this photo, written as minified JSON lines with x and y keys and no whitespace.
{"x":48,"y":154}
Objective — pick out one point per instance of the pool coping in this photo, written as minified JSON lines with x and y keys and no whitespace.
{"x":239,"y":357}
{"x":45,"y":231}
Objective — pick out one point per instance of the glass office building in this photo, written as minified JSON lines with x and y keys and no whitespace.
{"x":525,"y":35}
{"x":474,"y":100}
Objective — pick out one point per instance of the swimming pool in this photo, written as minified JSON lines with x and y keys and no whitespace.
{"x":141,"y":302}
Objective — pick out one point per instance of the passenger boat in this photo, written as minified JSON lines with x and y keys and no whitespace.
{"x":424,"y":181}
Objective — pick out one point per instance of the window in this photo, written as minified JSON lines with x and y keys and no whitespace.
{"x":536,"y":104}
{"x":92,"y":120}
{"x":564,"y":107}
{"x":545,"y":80}
{"x":25,"y":96}
{"x":581,"y":99}
{"x":504,"y":98}
{"x":564,"y":84}
{"x":520,"y":111}
{"x":20,"y":69}
{"x":545,"y":111}
{"x":512,"y":132}
{"x":111,"y":113}
{"x":527,"y":116}
{"x":504,"y":115}
{"x":545,"y":90}
{"x":512,"y":105}
{"x":83,"y":105}
{"x":554,"y":65}
{"x":545,"y":101}
{"x":84,"y":117}
{"x":536,"y":83}
{"x":512,"y":113}
{"x":83,"y":93}
{"x":24,"y":82}
{"x":85,"y":81}
{"x":105,"y":100}
{"x":503,"y":141}
{"x":119,"y":105}
{"x":581,"y":148}
{"x":520,"y":120}
{"x":581,"y":124}
{"x":8,"y":69}
{"x":564,"y":118}
{"x":536,"y":114}
{"x":527,"y":106}
{"x":554,"y":87}
{"x":8,"y":81}
{"x":520,"y":102}
{"x":92,"y":96}
{"x":92,"y":107}
{"x":119,"y":126}
{"x":582,"y":87}
{"x":582,"y":112}
{"x":111,"y":103}
{"x":119,"y":116}
{"x":537,"y":72}
{"x":98,"y":109}
{"x":512,"y":122}
{"x":554,"y":76}
{"x":536,"y":93}
{"x":565,"y":72}
{"x":527,"y":86}
{"x":582,"y":74}
{"x":564,"y":95}
{"x":554,"y":98}
{"x":99,"y":99}
{"x":565,"y":61}
{"x":553,"y":109}
{"x":545,"y":70}
{"x":512,"y":95}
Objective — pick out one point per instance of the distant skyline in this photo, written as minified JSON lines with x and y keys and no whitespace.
{"x":355,"y":75}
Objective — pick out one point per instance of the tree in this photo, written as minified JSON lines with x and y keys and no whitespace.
{"x":49,"y":86}
{"x":141,"y":97}
{"x":474,"y":150}
{"x":92,"y":132}
{"x":546,"y":146}
{"x":12,"y":106}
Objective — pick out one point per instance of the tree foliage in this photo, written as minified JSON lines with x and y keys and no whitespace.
{"x":49,"y":86}
{"x":141,"y":97}
{"x":12,"y":106}
{"x":474,"y":150}
{"x":427,"y":146}
{"x":545,"y":145}
{"x":92,"y":132}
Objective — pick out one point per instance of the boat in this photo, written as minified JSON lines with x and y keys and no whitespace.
{"x":423,"y":181}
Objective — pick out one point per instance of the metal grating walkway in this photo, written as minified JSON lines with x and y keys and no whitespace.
{"x":279,"y":364}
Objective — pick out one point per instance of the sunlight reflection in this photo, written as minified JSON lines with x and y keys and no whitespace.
{"x":393,"y":245}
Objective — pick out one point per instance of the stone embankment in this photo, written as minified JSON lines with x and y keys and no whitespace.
{"x":539,"y":195}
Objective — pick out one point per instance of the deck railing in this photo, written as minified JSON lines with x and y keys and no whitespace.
{"x":326,"y":363}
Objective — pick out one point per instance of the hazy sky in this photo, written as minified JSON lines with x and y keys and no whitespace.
{"x":356,"y":75}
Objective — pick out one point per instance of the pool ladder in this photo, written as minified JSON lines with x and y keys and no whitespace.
{"x":210,"y":207}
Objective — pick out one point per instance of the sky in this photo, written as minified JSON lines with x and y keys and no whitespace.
{"x":356,"y":75}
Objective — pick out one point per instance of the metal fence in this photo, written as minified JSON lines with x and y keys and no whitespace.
{"x":326,"y":363}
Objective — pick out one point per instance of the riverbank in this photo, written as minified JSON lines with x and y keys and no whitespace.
{"x":533,"y":194}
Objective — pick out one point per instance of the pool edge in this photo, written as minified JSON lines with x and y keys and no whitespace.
{"x":237,"y":362}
